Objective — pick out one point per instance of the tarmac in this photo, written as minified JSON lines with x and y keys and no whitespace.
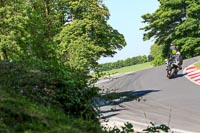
{"x":192,"y":74}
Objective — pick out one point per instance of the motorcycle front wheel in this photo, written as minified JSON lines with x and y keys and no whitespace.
{"x":171,"y":73}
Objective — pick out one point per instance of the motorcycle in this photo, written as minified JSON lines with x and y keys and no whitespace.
{"x":172,"y":67}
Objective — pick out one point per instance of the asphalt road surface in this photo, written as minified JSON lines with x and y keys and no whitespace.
{"x":173,"y":102}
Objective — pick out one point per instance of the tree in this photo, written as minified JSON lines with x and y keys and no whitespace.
{"x":87,"y":36}
{"x":45,"y":21}
{"x":13,"y":32}
{"x":75,"y":32}
{"x":157,"y":54}
{"x":177,"y":22}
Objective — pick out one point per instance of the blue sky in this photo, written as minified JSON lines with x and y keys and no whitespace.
{"x":125,"y":16}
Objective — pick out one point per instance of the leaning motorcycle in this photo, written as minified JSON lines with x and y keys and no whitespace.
{"x":172,"y":67}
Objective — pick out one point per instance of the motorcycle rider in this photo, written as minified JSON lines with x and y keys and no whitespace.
{"x":175,"y":54}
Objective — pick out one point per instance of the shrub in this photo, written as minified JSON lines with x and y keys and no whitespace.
{"x":51,"y":84}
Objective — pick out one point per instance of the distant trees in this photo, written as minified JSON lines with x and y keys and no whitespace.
{"x":177,"y":22}
{"x":123,"y":63}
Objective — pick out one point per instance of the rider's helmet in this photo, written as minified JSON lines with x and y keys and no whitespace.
{"x":174,"y":51}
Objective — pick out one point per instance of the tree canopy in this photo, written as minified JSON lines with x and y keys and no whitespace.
{"x":87,"y":36}
{"x":75,"y":32}
{"x":177,"y":22}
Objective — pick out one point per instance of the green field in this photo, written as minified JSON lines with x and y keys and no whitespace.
{"x":197,"y":65}
{"x":130,"y":68}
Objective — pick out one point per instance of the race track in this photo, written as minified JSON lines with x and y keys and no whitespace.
{"x":173,"y":102}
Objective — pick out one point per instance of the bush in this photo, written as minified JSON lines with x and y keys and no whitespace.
{"x":51,"y":84}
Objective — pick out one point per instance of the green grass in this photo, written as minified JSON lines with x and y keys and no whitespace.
{"x":17,"y":114}
{"x":20,"y":113}
{"x":130,"y":68}
{"x":197,"y":65}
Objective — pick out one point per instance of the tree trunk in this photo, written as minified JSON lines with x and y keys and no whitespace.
{"x":47,"y":14}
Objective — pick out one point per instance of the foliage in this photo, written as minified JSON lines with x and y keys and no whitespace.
{"x":53,"y":46}
{"x":75,"y":32}
{"x":177,"y":22}
{"x":21,"y":115}
{"x":128,"y":128}
{"x":50,"y":85}
{"x":156,"y":128}
{"x":76,"y":50}
{"x":88,"y":36}
{"x":156,"y":54}
{"x":13,"y":34}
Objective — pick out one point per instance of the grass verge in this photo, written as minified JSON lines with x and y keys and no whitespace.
{"x":17,"y":114}
{"x":130,"y":68}
{"x":197,"y":65}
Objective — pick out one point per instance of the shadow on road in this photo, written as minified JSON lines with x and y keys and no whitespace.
{"x":116,"y":98}
{"x":114,"y":101}
{"x":109,"y":116}
{"x":144,"y":92}
{"x":180,"y":75}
